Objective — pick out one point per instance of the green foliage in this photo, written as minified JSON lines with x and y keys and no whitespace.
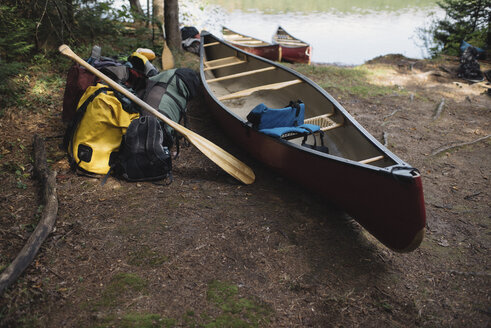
{"x":15,"y":43}
{"x":95,"y":21}
{"x":15,"y":34}
{"x":10,"y":87}
{"x":37,"y":25}
{"x":465,"y":20}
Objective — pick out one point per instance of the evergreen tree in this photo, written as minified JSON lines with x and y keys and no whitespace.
{"x":465,"y":20}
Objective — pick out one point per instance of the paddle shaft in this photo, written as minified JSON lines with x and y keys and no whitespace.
{"x":223,"y":159}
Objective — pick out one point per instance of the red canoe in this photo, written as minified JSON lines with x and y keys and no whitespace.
{"x":293,"y":50}
{"x":357,"y":173}
{"x":252,"y":45}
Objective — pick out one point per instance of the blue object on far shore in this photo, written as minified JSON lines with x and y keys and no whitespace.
{"x":464,"y":45}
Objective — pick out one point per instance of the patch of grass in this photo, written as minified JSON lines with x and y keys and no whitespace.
{"x":32,"y":85}
{"x":121,"y":285}
{"x":189,"y":319}
{"x":226,"y":320}
{"x":348,"y":80}
{"x":236,"y":311}
{"x":140,"y":320}
{"x":44,"y":90}
{"x":10,"y":90}
{"x":221,"y":292}
{"x":125,"y":228}
{"x":146,"y":257}
{"x":28,"y":321}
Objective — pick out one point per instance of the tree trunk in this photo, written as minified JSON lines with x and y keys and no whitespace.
{"x":158,"y":12}
{"x":171,"y":21}
{"x":488,"y":38}
{"x":136,"y":8}
{"x":69,"y":13}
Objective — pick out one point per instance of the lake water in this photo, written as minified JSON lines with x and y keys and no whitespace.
{"x":341,"y":31}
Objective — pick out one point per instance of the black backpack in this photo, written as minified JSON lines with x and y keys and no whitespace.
{"x":469,"y":68}
{"x":142,"y":155}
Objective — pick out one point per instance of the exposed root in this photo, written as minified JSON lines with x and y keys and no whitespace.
{"x":45,"y":225}
{"x":441,"y":150}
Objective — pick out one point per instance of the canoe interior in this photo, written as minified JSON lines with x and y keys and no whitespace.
{"x":234,"y":37}
{"x":241,"y":82}
{"x":287,"y":40}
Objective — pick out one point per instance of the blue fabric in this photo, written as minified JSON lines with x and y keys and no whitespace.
{"x":265,"y":118}
{"x":312,"y":127}
{"x":280,"y":131}
{"x":464,"y":45}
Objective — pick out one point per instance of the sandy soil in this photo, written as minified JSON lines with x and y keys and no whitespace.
{"x":207,"y":251}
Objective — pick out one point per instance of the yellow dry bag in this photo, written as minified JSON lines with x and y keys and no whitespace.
{"x":97,"y":130}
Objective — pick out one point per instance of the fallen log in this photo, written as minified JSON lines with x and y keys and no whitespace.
{"x":47,"y":179}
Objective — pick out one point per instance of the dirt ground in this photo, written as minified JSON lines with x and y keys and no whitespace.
{"x":207,"y":251}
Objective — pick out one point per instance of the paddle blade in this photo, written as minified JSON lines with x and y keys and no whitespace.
{"x":167,"y":58}
{"x":223,"y":159}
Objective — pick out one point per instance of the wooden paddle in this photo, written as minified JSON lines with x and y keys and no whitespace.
{"x":167,"y":58}
{"x":226,"y":161}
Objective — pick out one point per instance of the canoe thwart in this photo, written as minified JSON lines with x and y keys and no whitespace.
{"x":219,"y":60}
{"x":248,"y":92}
{"x":237,"y":39}
{"x":211,"y":44}
{"x":248,"y":42}
{"x":246,"y":73}
{"x":371,"y":160}
{"x":208,"y":68}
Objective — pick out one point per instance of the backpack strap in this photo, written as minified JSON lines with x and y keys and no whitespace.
{"x":184,"y":115}
{"x":79,"y":114}
{"x":152,"y":140}
{"x":321,"y":148}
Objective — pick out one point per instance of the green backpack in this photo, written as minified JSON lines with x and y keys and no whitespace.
{"x":169,"y":93}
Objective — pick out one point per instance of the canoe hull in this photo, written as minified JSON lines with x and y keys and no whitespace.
{"x":299,"y":53}
{"x":271,"y":52}
{"x":384,"y":206}
{"x":296,"y":54}
{"x":386,"y":201}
